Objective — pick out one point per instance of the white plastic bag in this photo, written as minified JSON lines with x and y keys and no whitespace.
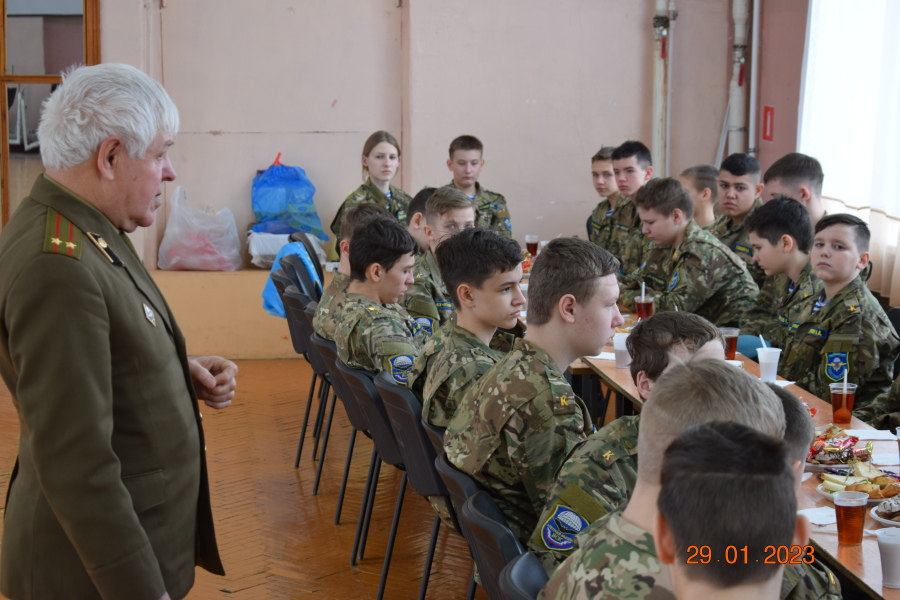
{"x":199,"y":240}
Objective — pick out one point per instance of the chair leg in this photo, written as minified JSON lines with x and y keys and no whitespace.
{"x":472,"y":585}
{"x":391,"y":538}
{"x":320,"y":417}
{"x":309,"y":400}
{"x":369,"y":506}
{"x":324,"y":445}
{"x":429,"y":558}
{"x":373,"y":466}
{"x":340,"y":502}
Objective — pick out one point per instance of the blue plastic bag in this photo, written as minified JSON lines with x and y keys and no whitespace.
{"x":282,"y":200}
{"x":271,"y":300}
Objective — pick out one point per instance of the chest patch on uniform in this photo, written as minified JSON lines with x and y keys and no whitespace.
{"x":674,"y":281}
{"x":148,"y":312}
{"x":426,"y":323}
{"x":836,"y":365}
{"x":743,"y":249}
{"x":559,"y":531}
{"x":400,"y":367}
{"x":442,"y":305}
{"x":401,"y":216}
{"x":507,"y":223}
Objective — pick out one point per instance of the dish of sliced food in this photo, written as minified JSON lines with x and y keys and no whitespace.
{"x":887,"y":512}
{"x":863,"y":478}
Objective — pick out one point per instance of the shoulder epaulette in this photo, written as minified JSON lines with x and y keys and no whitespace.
{"x":104,"y":248}
{"x":61,"y":236}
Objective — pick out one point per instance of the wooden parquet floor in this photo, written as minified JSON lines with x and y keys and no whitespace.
{"x":277,"y":540}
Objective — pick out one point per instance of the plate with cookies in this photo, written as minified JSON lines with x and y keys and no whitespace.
{"x":887,"y":512}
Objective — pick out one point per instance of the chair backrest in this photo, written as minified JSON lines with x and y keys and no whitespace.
{"x":435,"y":434}
{"x":295,"y":306}
{"x":303,"y":238}
{"x":328,"y":351}
{"x":460,"y":486}
{"x":405,"y":413}
{"x":894,"y":317}
{"x":367,"y":396}
{"x":299,"y":340}
{"x":281,"y":280}
{"x":492,"y":542}
{"x":523,"y":578}
{"x":296,"y":269}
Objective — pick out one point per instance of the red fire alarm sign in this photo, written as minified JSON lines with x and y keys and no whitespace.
{"x":768,"y":123}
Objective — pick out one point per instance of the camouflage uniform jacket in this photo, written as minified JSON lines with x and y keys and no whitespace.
{"x":613,"y":228}
{"x":513,"y":430}
{"x":633,"y":249}
{"x":451,"y":362}
{"x":376,"y":338}
{"x":700,"y":276}
{"x":597,"y":479}
{"x":491,"y":211}
{"x":618,"y":560}
{"x":331,"y":303}
{"x":737,"y":239}
{"x":850,"y":332}
{"x":427,"y":299}
{"x":778,"y":307}
{"x":367,"y":192}
{"x":884,"y":411}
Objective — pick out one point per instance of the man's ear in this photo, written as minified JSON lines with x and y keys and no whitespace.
{"x":759,"y":190}
{"x":805,"y":195}
{"x":801,"y":531}
{"x":644,"y":385}
{"x":374,"y":272}
{"x":449,"y":164}
{"x":417,"y":220}
{"x":863,"y":261}
{"x":344,"y":247}
{"x":665,"y":543}
{"x":678,"y":216}
{"x":566,"y":308}
{"x":648,"y":174}
{"x":464,"y":293}
{"x":706,"y":194}
{"x":108,"y":154}
{"x":787,"y":244}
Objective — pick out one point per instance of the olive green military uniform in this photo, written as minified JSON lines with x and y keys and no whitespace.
{"x":451,"y":362}
{"x":614,"y":228}
{"x":367,"y":192}
{"x":376,"y":338}
{"x":617,"y":559}
{"x":884,"y":411}
{"x":737,"y":239}
{"x":597,"y":479}
{"x":779,"y":305}
{"x":427,"y":299}
{"x":513,"y":430}
{"x":491,"y":211}
{"x":701,"y":276}
{"x":331,"y":303}
{"x":850,"y":334}
{"x":634,"y":249}
{"x":109,"y":496}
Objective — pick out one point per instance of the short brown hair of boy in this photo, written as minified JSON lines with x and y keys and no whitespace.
{"x":566,"y":266}
{"x":799,"y":430}
{"x":472,"y":256}
{"x":604,"y":153}
{"x":358,"y":216}
{"x":651,"y":340}
{"x":796,"y":169}
{"x":859,"y":227}
{"x":375,"y":139}
{"x":704,"y":177}
{"x":664,"y":196}
{"x":443,"y":201}
{"x":726,"y":485}
{"x":381,"y":241}
{"x":466,"y":142}
{"x":695,"y":392}
{"x":782,"y":216}
{"x":417,"y":205}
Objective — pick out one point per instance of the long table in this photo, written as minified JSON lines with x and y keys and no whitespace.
{"x":860,"y":565}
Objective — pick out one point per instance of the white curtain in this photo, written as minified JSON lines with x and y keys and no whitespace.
{"x":850,"y":120}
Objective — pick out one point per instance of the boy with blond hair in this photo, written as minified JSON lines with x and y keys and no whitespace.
{"x":466,"y":162}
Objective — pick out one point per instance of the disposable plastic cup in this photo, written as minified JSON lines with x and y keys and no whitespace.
{"x":730,"y":335}
{"x":768,"y":363}
{"x":643,"y":307}
{"x":889,"y":548}
{"x":623,"y":358}
{"x":850,"y":508}
{"x":841,"y":403}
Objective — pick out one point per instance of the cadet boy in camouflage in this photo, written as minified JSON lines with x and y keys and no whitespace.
{"x":447,"y":212}
{"x":781,"y":236}
{"x":616,"y":557}
{"x":600,"y":474}
{"x":415,"y":217}
{"x":739,"y":190}
{"x":800,"y":177}
{"x":687,"y":267}
{"x":717,"y":478}
{"x":633,"y":167}
{"x":380,"y":160}
{"x":843,"y":330}
{"x":614,"y":219}
{"x":466,"y":162}
{"x":333,"y":297}
{"x":702,"y":183}
{"x":482,"y":270}
{"x":513,"y":430}
{"x":374,"y":333}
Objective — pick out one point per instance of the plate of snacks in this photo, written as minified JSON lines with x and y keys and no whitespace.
{"x":887,"y":512}
{"x":834,"y":449}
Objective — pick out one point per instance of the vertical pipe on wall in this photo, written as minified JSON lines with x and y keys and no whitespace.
{"x":662,"y":23}
{"x":737,"y":113}
{"x":752,"y":117}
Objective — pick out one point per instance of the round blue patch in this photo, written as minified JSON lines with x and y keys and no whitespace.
{"x":560,"y":529}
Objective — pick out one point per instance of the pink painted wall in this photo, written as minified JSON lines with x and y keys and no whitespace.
{"x":783,"y":36}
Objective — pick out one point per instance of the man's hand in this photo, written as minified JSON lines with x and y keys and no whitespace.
{"x":213,"y":379}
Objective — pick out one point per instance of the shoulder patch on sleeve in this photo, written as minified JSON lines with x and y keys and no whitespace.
{"x":401,"y":364}
{"x":674,"y":281}
{"x":559,"y":530}
{"x":61,"y":236}
{"x":424,"y":323}
{"x":836,"y":365}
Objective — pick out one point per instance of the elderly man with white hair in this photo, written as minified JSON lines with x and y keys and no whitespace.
{"x":109,"y":497}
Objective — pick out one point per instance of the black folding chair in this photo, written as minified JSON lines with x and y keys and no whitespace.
{"x":492,"y":542}
{"x":523,"y":578}
{"x":461,"y":487}
{"x":303,"y":238}
{"x":435,"y":435}
{"x":295,"y":268}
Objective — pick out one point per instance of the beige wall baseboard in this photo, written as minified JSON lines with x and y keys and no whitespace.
{"x":222,"y":314}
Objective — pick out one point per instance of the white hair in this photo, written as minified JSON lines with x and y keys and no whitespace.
{"x":97,"y":102}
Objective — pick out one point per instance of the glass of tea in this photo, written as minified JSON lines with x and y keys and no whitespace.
{"x":842,"y":404}
{"x":850,"y":508}
{"x":730,"y":335}
{"x":643,"y":306}
{"x":531,"y":244}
